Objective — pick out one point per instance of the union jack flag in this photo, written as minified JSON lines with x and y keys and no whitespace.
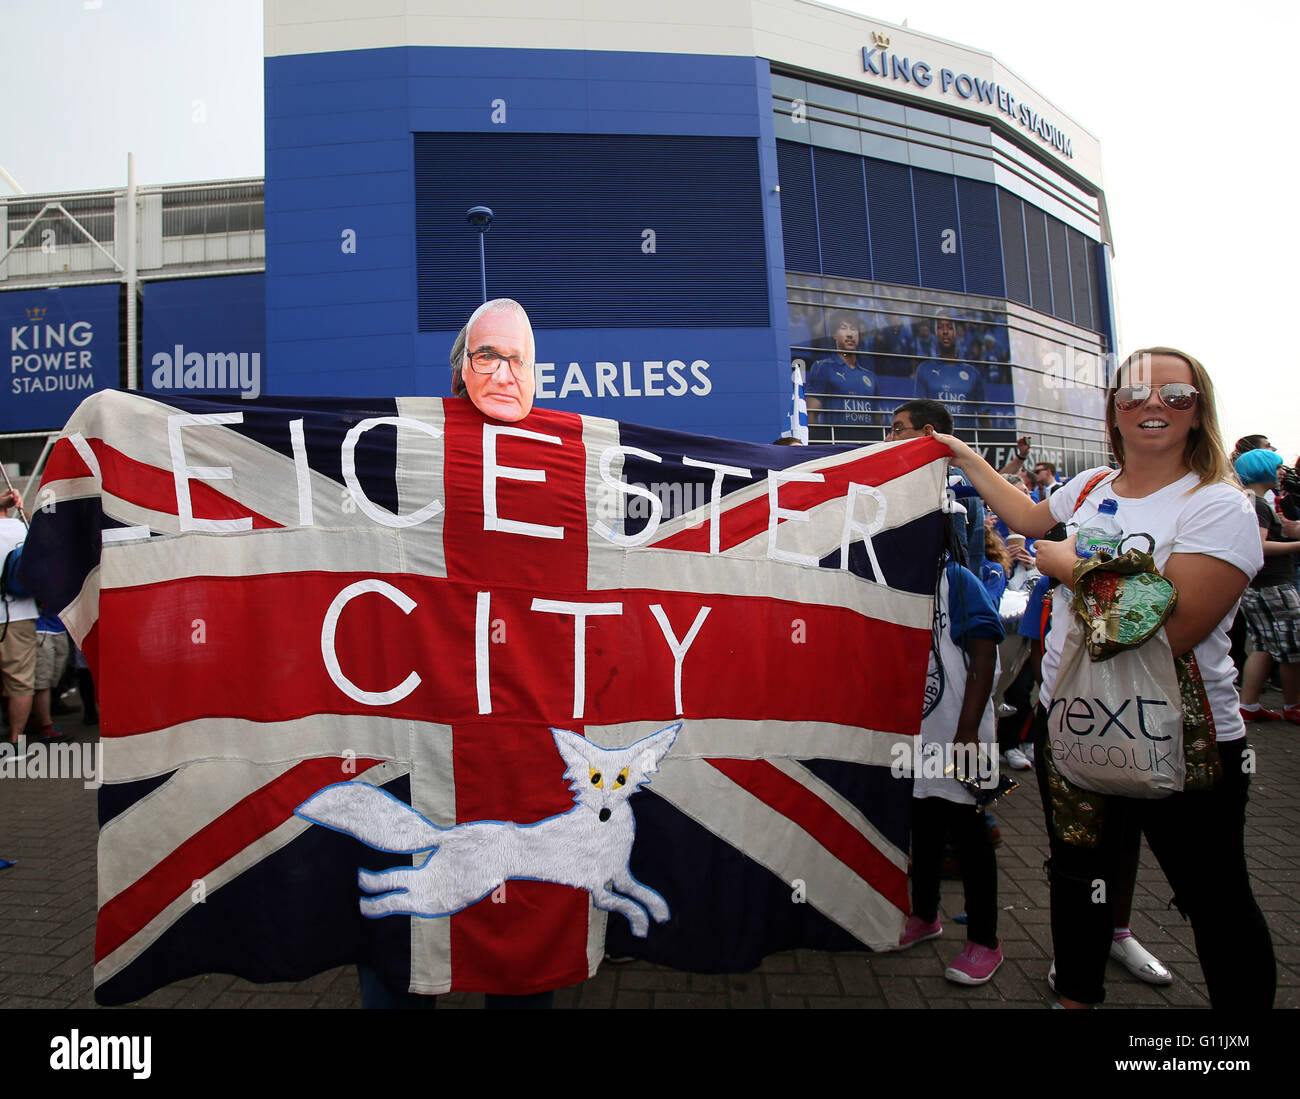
{"x":281,"y":594}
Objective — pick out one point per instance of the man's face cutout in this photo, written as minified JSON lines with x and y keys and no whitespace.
{"x":507,"y":392}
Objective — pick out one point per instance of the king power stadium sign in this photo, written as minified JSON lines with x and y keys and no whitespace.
{"x":60,"y":347}
{"x":877,"y":60}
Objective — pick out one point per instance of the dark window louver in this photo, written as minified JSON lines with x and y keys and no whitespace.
{"x":1100,"y":299}
{"x":937,"y":225}
{"x":1040,"y":279}
{"x":981,"y":242}
{"x":842,"y":214}
{"x":893,"y":222}
{"x":1014,"y":260}
{"x":1084,"y":314}
{"x":1059,"y":253}
{"x":798,"y":207}
{"x":569,"y":236}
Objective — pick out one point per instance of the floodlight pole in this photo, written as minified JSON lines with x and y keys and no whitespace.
{"x":132,"y":371}
{"x":10,"y":182}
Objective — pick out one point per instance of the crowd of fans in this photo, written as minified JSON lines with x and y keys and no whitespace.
{"x":1173,"y":479}
{"x":1001,"y":600}
{"x":38,"y":663}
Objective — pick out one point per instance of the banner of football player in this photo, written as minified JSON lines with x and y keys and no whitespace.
{"x":388,"y":681}
{"x":863,"y":362}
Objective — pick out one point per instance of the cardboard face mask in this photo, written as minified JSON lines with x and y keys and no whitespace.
{"x":498,"y":367}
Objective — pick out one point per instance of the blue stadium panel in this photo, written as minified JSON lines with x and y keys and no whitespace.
{"x":610,"y":231}
{"x":938,"y":237}
{"x":1099,"y":280}
{"x":893,"y":223}
{"x":343,"y":271}
{"x":339,"y":211}
{"x":981,"y":241}
{"x":798,"y":208}
{"x":842,"y":214}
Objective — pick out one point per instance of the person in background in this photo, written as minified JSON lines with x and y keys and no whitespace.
{"x":1173,"y":485}
{"x":1045,"y":480}
{"x":997,"y":563}
{"x":1017,"y":460}
{"x":17,"y":627}
{"x":85,"y":688}
{"x":957,"y":724}
{"x":51,"y":657}
{"x":1271,"y":603}
{"x":1288,"y":504}
{"x":911,"y":420}
{"x":1237,"y":633}
{"x":1248,"y":443}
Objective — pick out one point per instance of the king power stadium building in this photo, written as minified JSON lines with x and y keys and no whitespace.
{"x":688,"y":199}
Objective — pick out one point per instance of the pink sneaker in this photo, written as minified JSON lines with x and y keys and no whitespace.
{"x":975,"y":965}
{"x":918,"y":931}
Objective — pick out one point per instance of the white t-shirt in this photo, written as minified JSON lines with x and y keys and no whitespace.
{"x":12,"y":532}
{"x":945,"y":692}
{"x":1218,"y":521}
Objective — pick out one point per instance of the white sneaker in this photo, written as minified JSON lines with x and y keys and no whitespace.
{"x":1051,"y":976}
{"x":1028,"y":752}
{"x":1016,"y":760}
{"x":1139,"y":961}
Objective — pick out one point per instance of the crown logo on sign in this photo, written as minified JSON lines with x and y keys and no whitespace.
{"x":36,"y":313}
{"x":880,"y":40}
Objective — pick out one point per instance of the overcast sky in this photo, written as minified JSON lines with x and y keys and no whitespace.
{"x":1192,"y":103}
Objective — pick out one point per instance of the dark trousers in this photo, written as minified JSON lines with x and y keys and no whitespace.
{"x":1198,"y":839}
{"x":933,"y":819}
{"x":377,"y":996}
{"x":1021,"y":695}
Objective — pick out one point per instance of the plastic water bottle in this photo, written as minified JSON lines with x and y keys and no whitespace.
{"x":1102,"y":533}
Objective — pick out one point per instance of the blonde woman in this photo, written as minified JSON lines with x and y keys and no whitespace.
{"x":1172,"y":483}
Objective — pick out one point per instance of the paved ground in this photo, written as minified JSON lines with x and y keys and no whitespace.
{"x":47,"y":919}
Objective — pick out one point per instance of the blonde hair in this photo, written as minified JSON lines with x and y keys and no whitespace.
{"x":995,"y":549}
{"x":1203,"y":454}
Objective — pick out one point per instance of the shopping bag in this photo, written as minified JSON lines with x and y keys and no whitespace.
{"x":1115,"y":725}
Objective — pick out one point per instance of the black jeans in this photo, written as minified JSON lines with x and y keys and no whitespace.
{"x":932,"y":820}
{"x":377,"y":996}
{"x":1198,"y":839}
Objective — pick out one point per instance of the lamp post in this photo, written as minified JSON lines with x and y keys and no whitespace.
{"x":481,"y":218}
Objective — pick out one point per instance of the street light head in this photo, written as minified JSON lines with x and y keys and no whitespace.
{"x":480,"y":217}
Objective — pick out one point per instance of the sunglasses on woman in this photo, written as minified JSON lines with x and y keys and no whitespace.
{"x":1176,"y":395}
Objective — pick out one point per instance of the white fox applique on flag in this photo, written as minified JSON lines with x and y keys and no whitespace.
{"x":586,"y":847}
{"x":281,"y":595}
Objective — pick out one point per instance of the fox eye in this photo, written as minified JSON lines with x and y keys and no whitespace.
{"x":595,"y":777}
{"x":622,"y":778}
